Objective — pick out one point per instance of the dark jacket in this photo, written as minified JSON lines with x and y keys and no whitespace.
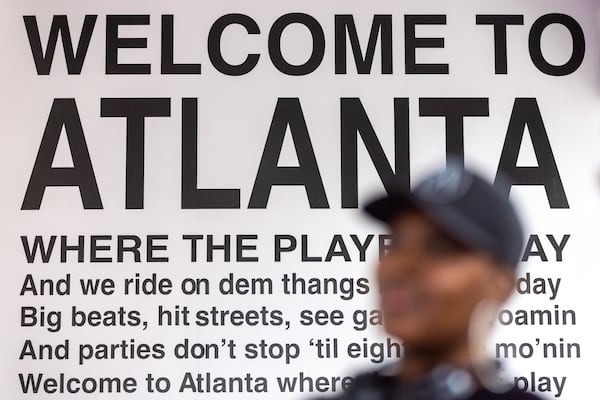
{"x":449,"y":384}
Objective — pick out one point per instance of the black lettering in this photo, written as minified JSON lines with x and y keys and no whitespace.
{"x":355,"y":121}
{"x":114,"y":43}
{"x":534,"y":241}
{"x":60,"y":24}
{"x":44,"y":250}
{"x":135,"y":110}
{"x":526,"y":113}
{"x":500,"y":22}
{"x":167,"y":66}
{"x":454,"y":110}
{"x":63,"y":113}
{"x":381,"y":27}
{"x":411,"y":43}
{"x":288,"y":112}
{"x":214,"y":44}
{"x":318,"y":44}
{"x":191,"y":196}
{"x":535,"y":48}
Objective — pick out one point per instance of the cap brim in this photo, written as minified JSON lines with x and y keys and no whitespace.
{"x":445,"y":217}
{"x":387,"y":207}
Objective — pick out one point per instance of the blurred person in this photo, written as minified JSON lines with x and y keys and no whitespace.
{"x":456,"y":243}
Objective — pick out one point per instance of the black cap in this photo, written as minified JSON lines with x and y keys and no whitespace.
{"x":463,"y":204}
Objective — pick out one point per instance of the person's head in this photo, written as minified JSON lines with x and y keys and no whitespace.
{"x":455,"y":244}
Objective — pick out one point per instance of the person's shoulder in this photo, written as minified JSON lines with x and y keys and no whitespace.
{"x":372,"y":384}
{"x":512,"y":394}
{"x":380,"y":383}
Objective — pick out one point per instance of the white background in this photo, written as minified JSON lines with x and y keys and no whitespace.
{"x":234,"y":117}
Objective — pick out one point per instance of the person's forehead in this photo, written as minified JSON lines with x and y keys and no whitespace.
{"x":417,"y":222}
{"x":416,"y":226}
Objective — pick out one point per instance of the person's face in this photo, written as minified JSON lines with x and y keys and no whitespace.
{"x":430,"y":284}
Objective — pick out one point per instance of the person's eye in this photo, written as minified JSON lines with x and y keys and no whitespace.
{"x":394,"y":241}
{"x":442,"y":246}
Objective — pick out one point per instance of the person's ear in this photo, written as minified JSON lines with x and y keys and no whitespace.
{"x":503,"y":282}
